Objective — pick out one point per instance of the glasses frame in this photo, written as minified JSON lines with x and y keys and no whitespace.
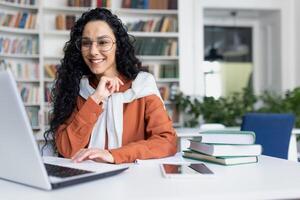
{"x":78,"y":44}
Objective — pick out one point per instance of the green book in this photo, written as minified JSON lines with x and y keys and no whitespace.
{"x":223,"y":160}
{"x":226,"y":137}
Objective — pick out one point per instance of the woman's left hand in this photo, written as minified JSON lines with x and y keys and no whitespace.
{"x":95,"y":154}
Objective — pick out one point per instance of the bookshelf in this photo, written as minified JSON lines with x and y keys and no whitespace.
{"x":19,"y":51}
{"x":49,"y":42}
{"x":155,"y":26}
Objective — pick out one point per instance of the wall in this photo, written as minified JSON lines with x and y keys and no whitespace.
{"x":283,"y":70}
{"x":188,"y":72}
{"x":270,"y":44}
{"x":297,"y":41}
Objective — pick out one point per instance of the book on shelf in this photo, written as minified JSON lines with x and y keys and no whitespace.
{"x":226,"y":137}
{"x":50,"y":70}
{"x":47,"y":115}
{"x":19,"y":45}
{"x":79,"y":3}
{"x":223,"y":160}
{"x":33,"y":114}
{"x":164,"y":92}
{"x":70,"y":21}
{"x":64,"y":22}
{"x":163,"y":24}
{"x":60,"y":23}
{"x":104,"y":3}
{"x":48,"y":89}
{"x":169,"y":71}
{"x":21,"y":2}
{"x":29,"y":93}
{"x":156,"y":46}
{"x":226,"y":149}
{"x":22,"y":70}
{"x":150,"y":4}
{"x":24,"y":20}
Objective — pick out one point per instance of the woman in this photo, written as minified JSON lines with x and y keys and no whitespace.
{"x":105,"y":108}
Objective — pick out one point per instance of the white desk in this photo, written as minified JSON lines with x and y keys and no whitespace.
{"x":271,"y":178}
{"x":186,"y":133}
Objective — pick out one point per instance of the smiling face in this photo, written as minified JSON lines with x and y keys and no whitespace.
{"x":98,"y":48}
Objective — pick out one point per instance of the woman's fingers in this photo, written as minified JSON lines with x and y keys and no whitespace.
{"x":102,"y":156}
{"x":83,"y":155}
{"x":96,"y":157}
{"x":108,"y":86}
{"x":95,"y":154}
{"x":119,"y":83}
{"x":114,"y":84}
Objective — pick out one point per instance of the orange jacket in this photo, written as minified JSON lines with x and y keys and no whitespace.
{"x":147,"y":128}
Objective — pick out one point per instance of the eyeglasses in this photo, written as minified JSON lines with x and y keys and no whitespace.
{"x":104,"y":44}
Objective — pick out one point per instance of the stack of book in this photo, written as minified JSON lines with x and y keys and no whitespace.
{"x":224,"y":147}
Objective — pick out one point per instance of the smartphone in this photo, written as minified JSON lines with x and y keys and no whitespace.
{"x":185,"y":170}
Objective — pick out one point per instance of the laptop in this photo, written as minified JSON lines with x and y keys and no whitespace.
{"x":21,"y":161}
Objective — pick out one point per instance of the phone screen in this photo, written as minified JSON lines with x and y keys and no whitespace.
{"x":186,"y":169}
{"x":201,"y":168}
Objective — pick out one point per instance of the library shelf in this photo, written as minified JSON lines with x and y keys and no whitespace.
{"x":18,"y":6}
{"x":19,"y":30}
{"x":133,"y":11}
{"x":155,"y":34}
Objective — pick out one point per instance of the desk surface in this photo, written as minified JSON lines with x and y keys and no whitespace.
{"x":268,"y":179}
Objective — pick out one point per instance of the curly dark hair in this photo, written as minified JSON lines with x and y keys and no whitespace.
{"x":66,"y":88}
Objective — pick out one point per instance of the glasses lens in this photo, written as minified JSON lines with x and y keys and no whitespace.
{"x":104,"y":44}
{"x":86,"y":44}
{"x":83,"y":44}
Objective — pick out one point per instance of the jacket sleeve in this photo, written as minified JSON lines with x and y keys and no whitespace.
{"x":161,"y":139}
{"x":75,"y":133}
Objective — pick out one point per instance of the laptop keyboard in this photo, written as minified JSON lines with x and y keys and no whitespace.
{"x":63,"y":172}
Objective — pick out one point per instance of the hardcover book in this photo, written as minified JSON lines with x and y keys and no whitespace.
{"x":223,"y":160}
{"x":226,"y":137}
{"x":226,"y":149}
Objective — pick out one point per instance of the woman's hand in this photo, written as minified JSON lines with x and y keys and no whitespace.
{"x":95,"y":154}
{"x":106,"y":87}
